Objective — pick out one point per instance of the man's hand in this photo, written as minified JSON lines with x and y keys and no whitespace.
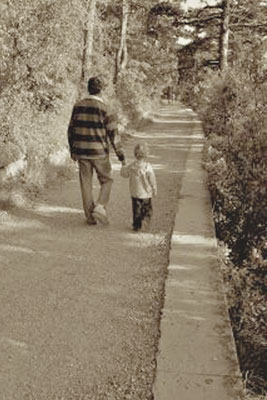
{"x":74,"y":157}
{"x":120,"y":155}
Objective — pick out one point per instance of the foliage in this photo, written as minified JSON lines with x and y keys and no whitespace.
{"x":147,"y":70}
{"x":233,"y":109}
{"x":234,"y":113}
{"x":38,"y":76}
{"x":202,"y":26}
{"x":42,"y":43}
{"x":41,"y":69}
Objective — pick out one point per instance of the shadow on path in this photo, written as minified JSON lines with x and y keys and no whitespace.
{"x":80,"y":305}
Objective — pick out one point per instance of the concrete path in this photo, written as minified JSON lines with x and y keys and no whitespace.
{"x":197,"y":357}
{"x":80,"y":305}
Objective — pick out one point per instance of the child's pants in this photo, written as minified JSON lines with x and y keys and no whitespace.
{"x":142,"y":211}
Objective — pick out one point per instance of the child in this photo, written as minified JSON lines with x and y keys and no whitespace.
{"x":143,"y":186}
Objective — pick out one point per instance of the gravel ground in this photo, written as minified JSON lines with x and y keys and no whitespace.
{"x":80,"y":305}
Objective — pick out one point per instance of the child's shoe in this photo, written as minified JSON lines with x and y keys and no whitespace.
{"x":146,"y":225}
{"x":100,"y":214}
{"x":91,"y":221}
{"x":136,"y":227}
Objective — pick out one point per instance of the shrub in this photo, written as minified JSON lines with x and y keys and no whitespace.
{"x":234,"y":114}
{"x":37,"y":87}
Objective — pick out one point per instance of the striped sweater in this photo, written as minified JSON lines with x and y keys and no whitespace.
{"x":92,"y":129}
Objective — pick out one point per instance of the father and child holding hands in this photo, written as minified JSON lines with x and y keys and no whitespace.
{"x":91,"y":131}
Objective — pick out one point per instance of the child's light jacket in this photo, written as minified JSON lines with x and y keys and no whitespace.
{"x":142,"y":180}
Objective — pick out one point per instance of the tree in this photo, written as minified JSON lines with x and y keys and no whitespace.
{"x":143,"y":64}
{"x":37,"y":86}
{"x":224,"y":35}
{"x":122,"y":55}
{"x":88,"y":40}
{"x":243,"y":18}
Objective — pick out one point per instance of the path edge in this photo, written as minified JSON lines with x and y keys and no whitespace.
{"x":166,"y":384}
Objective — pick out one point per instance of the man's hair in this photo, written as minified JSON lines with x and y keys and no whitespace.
{"x":141,"y":151}
{"x":94,"y":85}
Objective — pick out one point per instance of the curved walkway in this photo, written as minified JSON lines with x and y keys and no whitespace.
{"x":81,"y":305}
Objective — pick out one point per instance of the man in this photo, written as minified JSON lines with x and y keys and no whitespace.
{"x":91,"y":131}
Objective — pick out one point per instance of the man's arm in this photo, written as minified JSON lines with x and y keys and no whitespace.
{"x":70,"y":128}
{"x":115,"y":141}
{"x":70,"y":133}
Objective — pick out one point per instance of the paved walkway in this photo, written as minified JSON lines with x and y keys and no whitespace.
{"x":80,"y":305}
{"x":197,"y":357}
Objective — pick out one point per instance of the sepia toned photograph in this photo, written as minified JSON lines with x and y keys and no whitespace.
{"x":133,"y":206}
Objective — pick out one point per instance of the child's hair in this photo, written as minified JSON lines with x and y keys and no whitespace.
{"x":141,"y":151}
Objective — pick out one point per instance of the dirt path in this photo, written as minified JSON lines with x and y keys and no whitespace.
{"x":80,"y":305}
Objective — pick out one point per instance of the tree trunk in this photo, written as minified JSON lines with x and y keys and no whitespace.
{"x":122,"y":55}
{"x":224,"y":36}
{"x":88,"y":40}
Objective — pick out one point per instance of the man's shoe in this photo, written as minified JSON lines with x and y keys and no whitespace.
{"x":91,"y":221}
{"x":100,"y":214}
